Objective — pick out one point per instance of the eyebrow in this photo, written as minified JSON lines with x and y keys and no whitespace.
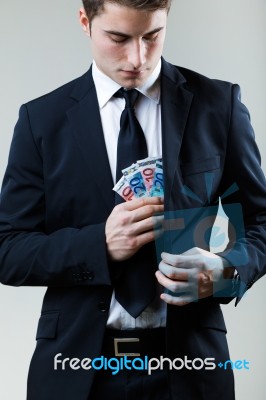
{"x":116,"y":33}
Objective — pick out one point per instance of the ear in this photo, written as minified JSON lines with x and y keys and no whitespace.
{"x":84,"y":21}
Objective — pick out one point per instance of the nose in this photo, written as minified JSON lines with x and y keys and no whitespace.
{"x":137,"y":53}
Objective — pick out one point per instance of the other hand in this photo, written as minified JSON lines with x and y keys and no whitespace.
{"x":193,"y":275}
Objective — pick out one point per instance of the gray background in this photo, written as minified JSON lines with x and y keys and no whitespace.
{"x":42,"y":47}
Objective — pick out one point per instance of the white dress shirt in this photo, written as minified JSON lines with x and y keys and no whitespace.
{"x":148,"y":113}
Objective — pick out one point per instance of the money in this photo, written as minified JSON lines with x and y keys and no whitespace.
{"x":123,"y":189}
{"x":141,"y":179}
{"x":130,"y":170}
{"x":137,"y":185}
{"x":147,"y":169}
{"x":158,"y":184}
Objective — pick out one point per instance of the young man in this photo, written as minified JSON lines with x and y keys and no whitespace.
{"x":60,"y":227}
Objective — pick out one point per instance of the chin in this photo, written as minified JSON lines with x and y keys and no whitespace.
{"x":132,"y":83}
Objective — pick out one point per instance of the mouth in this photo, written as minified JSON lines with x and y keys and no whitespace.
{"x":133,"y":73}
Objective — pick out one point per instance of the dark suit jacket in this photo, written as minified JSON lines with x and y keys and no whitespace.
{"x":56,"y":197}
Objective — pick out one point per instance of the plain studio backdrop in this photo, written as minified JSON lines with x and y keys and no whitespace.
{"x":42,"y":46}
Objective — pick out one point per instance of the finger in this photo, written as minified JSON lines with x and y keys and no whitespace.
{"x":176,"y":301}
{"x":145,"y":238}
{"x":180,"y":261}
{"x":152,"y":223}
{"x":174,"y":286}
{"x":157,"y":221}
{"x":139,"y":203}
{"x":147,"y":211}
{"x":174,"y":273}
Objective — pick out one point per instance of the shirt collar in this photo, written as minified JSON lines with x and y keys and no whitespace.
{"x":106,"y":87}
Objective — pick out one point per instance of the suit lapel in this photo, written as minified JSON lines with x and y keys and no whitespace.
{"x":176,"y":103}
{"x":86,"y":124}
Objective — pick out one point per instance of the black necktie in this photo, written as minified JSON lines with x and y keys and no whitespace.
{"x":135,"y":287}
{"x":131,"y":145}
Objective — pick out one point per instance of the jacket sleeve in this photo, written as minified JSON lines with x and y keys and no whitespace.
{"x":28,"y":254}
{"x":244,"y":200}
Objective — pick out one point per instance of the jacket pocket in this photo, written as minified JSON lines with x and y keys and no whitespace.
{"x":202,"y":165}
{"x":47,"y":326}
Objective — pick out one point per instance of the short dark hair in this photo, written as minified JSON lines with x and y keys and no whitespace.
{"x":94,"y":7}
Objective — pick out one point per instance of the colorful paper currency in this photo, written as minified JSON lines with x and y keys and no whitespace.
{"x":157,"y":189}
{"x":142,"y":179}
{"x":123,"y":189}
{"x":147,"y":169}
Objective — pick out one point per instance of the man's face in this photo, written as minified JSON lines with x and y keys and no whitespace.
{"x":126,"y":43}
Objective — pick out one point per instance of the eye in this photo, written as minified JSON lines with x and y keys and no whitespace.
{"x":151,"y":38}
{"x":118,"y":39}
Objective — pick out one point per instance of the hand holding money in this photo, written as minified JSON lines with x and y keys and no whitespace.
{"x":131,"y":225}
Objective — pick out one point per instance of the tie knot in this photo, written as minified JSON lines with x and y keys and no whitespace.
{"x":130,"y":96}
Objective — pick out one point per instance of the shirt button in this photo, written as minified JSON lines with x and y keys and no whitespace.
{"x":103,"y":307}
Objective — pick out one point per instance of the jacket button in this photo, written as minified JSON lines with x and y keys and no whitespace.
{"x":90,"y":275}
{"x":87,"y":275}
{"x":103,"y":307}
{"x":76,"y":277}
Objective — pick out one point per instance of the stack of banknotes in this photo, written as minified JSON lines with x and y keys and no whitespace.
{"x":142,"y":179}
